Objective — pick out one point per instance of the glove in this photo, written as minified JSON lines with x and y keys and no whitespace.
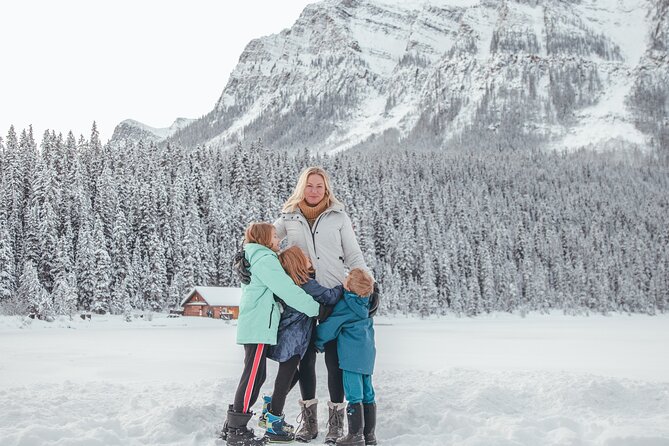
{"x":241,"y":266}
{"x":374,"y":300}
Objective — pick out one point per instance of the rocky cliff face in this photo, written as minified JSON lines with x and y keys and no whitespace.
{"x":451,"y":73}
{"x":649,"y":96}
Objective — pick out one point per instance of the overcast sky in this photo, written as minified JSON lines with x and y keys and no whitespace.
{"x":66,"y":63}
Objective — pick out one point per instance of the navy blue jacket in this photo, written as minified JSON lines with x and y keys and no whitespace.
{"x":351,"y":325}
{"x":295,"y":328}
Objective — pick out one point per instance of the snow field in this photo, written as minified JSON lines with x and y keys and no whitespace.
{"x":493,"y":380}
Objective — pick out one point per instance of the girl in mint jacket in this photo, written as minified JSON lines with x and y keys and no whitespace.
{"x":259,"y":313}
{"x":258,"y":322}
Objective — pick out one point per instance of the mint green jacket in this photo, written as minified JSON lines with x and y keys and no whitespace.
{"x":259,"y":314}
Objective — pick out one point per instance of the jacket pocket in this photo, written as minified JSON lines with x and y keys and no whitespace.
{"x":271,"y":313}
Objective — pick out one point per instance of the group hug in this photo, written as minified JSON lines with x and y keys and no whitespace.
{"x":316,"y":295}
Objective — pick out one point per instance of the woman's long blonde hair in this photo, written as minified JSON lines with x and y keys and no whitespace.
{"x":298,"y":193}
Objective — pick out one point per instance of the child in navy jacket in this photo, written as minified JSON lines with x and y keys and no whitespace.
{"x":293,"y":338}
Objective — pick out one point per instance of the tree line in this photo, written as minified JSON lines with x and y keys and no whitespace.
{"x":86,"y":226}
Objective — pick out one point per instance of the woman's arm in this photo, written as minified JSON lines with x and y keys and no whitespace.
{"x":280,"y":227}
{"x":352,"y":253}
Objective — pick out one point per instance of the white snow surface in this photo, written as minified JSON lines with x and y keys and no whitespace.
{"x":493,"y":380}
{"x":609,"y":119}
{"x":625,"y":33}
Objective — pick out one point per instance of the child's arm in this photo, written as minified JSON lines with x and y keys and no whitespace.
{"x":325,"y":332}
{"x":270,"y":273}
{"x":330,"y":328}
{"x":323,"y":295}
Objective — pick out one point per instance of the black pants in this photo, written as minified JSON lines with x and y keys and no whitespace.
{"x":306,"y":373}
{"x":285,"y":380}
{"x":253,"y":377}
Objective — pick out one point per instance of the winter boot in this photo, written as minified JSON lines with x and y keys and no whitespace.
{"x":335,"y":422}
{"x":369,"y":411}
{"x":266,"y":407}
{"x":354,"y":415}
{"x":277,"y":431}
{"x":262,"y":419}
{"x":236,"y":432}
{"x":224,"y":432}
{"x":309,"y":420}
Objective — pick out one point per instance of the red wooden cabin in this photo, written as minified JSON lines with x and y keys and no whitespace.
{"x":216,"y":302}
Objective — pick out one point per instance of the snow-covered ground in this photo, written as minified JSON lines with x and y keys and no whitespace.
{"x":492,"y":380}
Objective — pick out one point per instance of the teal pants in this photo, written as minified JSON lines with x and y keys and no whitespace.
{"x":358,"y":388}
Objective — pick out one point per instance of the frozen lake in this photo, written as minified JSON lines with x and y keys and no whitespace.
{"x":493,"y":380}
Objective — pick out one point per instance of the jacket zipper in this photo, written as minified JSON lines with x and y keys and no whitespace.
{"x":270,"y":317}
{"x":313,"y":231}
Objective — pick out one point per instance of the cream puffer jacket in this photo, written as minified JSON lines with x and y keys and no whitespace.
{"x":330,"y":243}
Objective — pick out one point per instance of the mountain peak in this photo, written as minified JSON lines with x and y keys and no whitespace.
{"x":440,"y":74}
{"x":131,"y":130}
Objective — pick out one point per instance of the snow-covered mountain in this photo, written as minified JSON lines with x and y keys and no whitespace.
{"x":445,"y":73}
{"x":133,"y":131}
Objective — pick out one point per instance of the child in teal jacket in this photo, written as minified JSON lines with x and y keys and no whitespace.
{"x":353,"y":328}
{"x":257,"y":325}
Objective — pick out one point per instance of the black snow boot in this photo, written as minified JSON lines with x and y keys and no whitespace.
{"x":354,"y":415}
{"x":370,"y":423}
{"x":236,"y":433}
{"x":224,"y":432}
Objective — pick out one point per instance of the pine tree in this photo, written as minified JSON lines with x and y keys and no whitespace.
{"x":102,"y":274}
{"x":486,"y":279}
{"x":48,"y":240}
{"x":427,"y":303}
{"x":7,"y":265}
{"x":134,"y":285}
{"x":64,"y":294}
{"x":155,"y":288}
{"x":120,"y":254}
{"x":85,"y":268}
{"x":32,"y":295}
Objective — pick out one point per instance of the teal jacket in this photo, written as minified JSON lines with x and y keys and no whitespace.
{"x":259,"y":313}
{"x":353,"y":329}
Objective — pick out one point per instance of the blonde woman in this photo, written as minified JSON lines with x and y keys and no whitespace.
{"x":313,"y":219}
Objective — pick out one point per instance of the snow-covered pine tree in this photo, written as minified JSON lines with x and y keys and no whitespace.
{"x":427,"y":303}
{"x":120,"y":252}
{"x":64,"y":294}
{"x":84,"y":268}
{"x":102,"y":274}
{"x":7,"y":266}
{"x":32,"y":294}
{"x":155,"y":284}
{"x":48,"y":240}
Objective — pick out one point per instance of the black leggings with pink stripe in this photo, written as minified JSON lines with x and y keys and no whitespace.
{"x":253,"y":377}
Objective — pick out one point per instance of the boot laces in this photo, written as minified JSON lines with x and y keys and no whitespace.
{"x":303,"y":418}
{"x":334,"y":414}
